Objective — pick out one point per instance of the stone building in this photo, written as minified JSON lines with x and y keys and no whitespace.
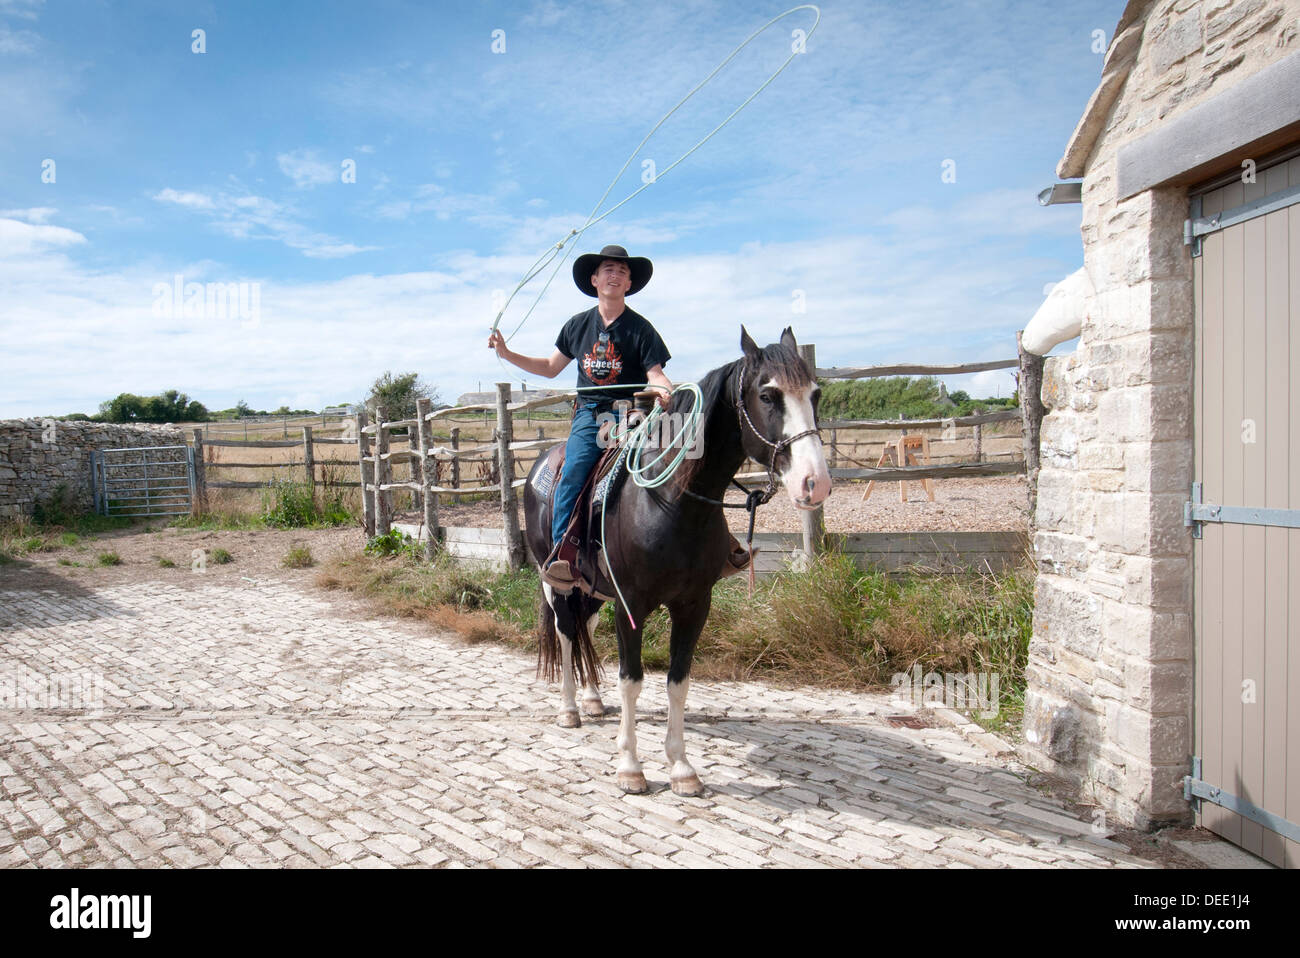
{"x":1159,"y":654}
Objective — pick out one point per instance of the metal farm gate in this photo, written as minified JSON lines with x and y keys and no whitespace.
{"x":1244,"y":511}
{"x":143,"y":480}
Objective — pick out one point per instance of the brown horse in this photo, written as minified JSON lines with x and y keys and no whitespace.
{"x":667,"y":545}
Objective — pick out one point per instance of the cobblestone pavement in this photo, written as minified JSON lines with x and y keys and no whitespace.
{"x":262,"y":725}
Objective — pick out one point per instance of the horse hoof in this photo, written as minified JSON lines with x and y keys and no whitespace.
{"x":688,"y":787}
{"x":569,"y":719}
{"x":632,"y":782}
{"x":593,"y":708}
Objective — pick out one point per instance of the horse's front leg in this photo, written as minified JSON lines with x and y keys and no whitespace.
{"x":630,"y":776}
{"x":688,"y":621}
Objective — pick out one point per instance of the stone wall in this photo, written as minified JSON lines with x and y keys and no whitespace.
{"x":1110,"y":668}
{"x":39,"y":455}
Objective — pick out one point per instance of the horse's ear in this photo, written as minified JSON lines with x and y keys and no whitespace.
{"x":787,"y":339}
{"x":748,"y":345}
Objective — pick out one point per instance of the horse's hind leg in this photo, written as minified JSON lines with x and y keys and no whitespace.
{"x":592,"y":706}
{"x":630,"y":776}
{"x":688,"y":622}
{"x":564,"y":626}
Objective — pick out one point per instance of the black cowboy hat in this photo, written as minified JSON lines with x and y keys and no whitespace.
{"x":585,"y":265}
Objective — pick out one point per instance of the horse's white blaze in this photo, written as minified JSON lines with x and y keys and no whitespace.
{"x":675,"y":745}
{"x":807,"y":480}
{"x":568,"y":687}
{"x":627,"y":761}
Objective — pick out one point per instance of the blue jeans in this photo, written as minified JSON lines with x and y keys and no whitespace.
{"x":580,"y":457}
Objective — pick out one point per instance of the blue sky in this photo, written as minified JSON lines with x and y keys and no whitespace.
{"x":823,"y":205}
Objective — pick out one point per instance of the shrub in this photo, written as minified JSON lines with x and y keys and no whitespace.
{"x":291,"y":505}
{"x":57,"y":509}
{"x":221,"y":556}
{"x":108,"y":558}
{"x":299,"y":557}
{"x":393,"y":543}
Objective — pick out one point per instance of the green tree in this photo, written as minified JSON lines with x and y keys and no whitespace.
{"x":125,"y":407}
{"x":241,"y":409}
{"x":396,"y":395}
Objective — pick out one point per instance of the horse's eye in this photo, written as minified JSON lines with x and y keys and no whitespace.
{"x":767,"y":397}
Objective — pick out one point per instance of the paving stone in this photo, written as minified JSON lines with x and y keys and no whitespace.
{"x":219,"y":751}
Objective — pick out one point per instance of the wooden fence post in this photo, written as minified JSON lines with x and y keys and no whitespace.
{"x":835,"y":450}
{"x":455,"y":461}
{"x":979,"y":442}
{"x":428,"y":474}
{"x":1030,"y":388}
{"x":367,"y":467}
{"x":383,"y":476}
{"x":309,"y":462}
{"x":200,"y":504}
{"x":814,"y":520}
{"x":506,"y":469}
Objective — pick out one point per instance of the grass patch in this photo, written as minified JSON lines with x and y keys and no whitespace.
{"x":477,"y":605}
{"x":220,"y":556}
{"x":165,"y":563}
{"x":834,"y":625}
{"x":292,"y":505}
{"x":108,"y":558}
{"x":299,"y":557}
{"x":24,"y":535}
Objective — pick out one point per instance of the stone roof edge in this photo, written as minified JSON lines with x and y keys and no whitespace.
{"x":1114,"y":72}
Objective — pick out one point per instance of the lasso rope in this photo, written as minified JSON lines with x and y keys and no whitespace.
{"x":637,"y":438}
{"x":592,"y":219}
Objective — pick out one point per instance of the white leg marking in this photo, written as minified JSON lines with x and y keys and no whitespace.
{"x":627,"y":761}
{"x":568,"y":688}
{"x":681,"y":772}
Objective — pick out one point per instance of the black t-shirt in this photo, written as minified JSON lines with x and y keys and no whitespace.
{"x":617,"y":354}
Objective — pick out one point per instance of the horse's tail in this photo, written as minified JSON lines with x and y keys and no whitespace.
{"x":548,"y":644}
{"x":585,"y":659}
{"x":586,"y":663}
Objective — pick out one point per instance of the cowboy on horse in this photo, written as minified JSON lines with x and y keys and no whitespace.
{"x":615,"y":346}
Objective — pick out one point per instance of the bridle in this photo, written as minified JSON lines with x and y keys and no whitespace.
{"x":753,"y":497}
{"x":776,"y":447}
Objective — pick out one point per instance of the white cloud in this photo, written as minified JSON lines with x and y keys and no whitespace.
{"x":307,"y":169}
{"x":36,"y":214}
{"x":198,"y":201}
{"x":23,"y":9}
{"x":17,"y":41}
{"x":18,"y":238}
{"x":245,"y":216}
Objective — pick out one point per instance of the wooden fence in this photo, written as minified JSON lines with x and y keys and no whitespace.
{"x":435,"y":468}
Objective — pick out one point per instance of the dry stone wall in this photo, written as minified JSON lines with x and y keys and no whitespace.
{"x":38,"y":456}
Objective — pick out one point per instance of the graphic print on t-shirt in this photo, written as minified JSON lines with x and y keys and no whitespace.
{"x":602,"y":364}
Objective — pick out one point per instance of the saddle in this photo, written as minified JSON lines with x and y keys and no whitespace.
{"x":591,"y":569}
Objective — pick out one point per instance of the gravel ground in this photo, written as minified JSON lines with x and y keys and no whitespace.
{"x":990,"y":504}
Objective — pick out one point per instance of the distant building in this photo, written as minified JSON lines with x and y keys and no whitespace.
{"x":517,"y":395}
